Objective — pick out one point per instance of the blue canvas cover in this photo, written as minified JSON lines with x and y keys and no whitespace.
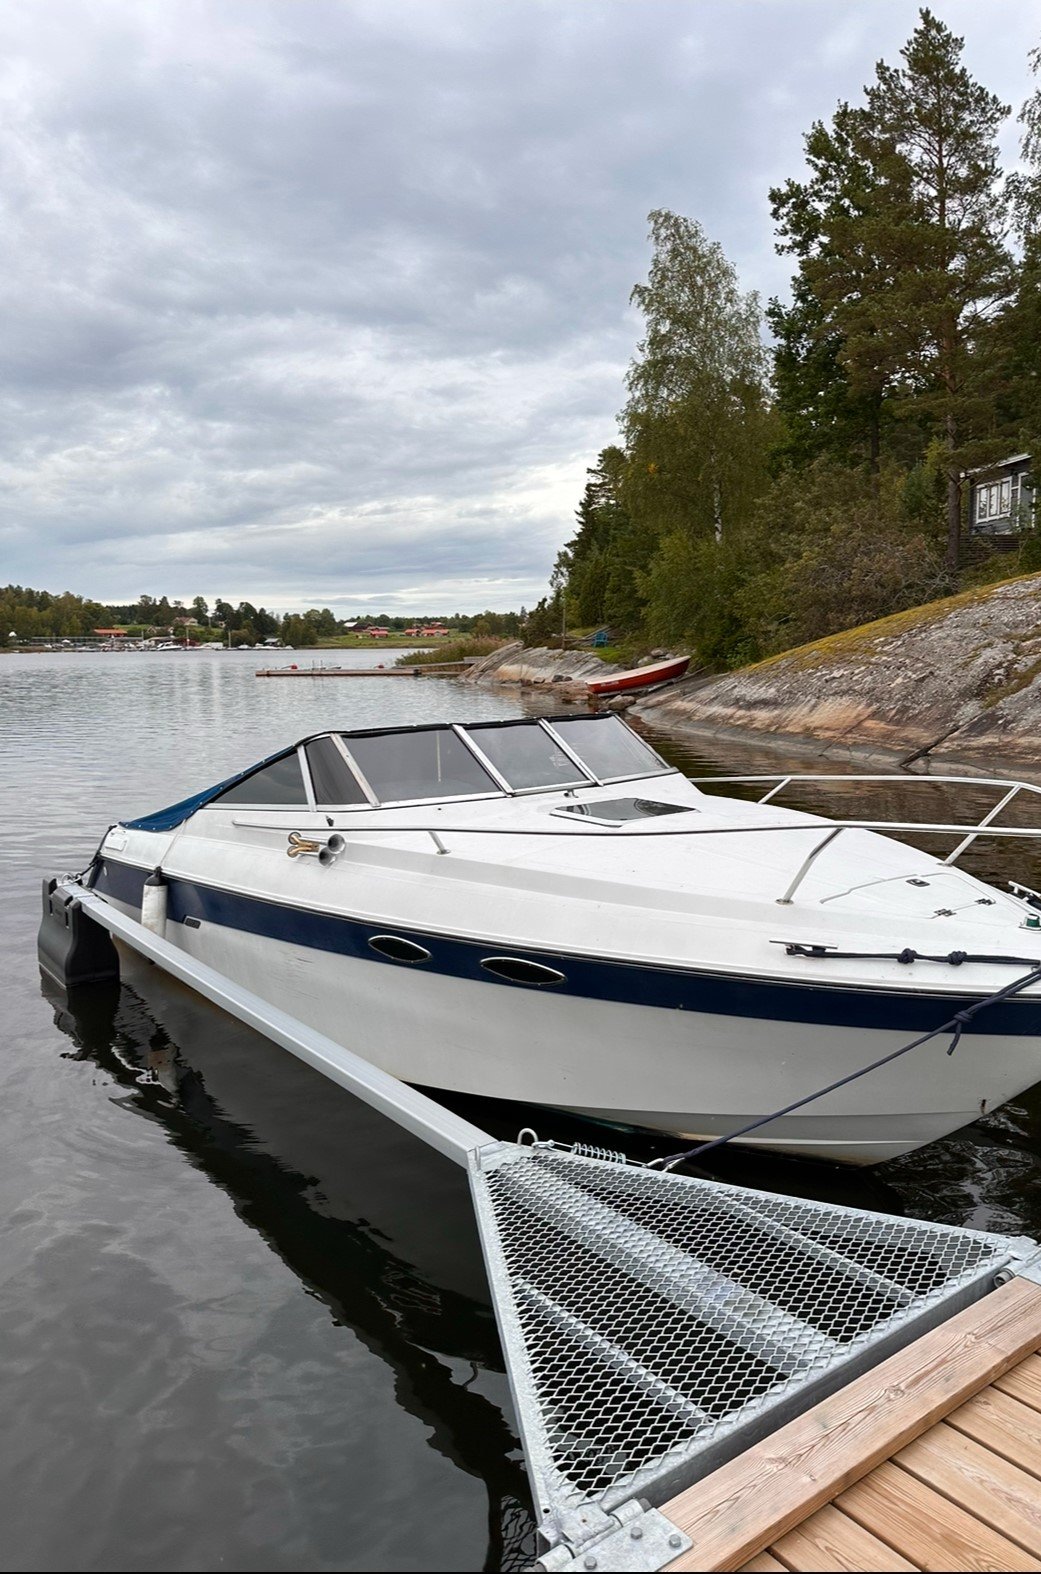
{"x":176,"y":814}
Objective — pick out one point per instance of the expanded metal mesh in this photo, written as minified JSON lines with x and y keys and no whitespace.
{"x":645,"y":1314}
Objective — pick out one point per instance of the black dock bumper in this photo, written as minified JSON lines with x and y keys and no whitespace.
{"x":72,"y":948}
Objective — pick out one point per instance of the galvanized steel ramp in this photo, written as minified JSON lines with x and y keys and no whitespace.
{"x":656,"y":1325}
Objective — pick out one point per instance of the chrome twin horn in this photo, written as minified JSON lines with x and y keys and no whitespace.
{"x":326,"y":851}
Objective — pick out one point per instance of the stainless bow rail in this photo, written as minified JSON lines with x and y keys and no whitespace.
{"x":1011,"y":790}
{"x":654,"y":1325}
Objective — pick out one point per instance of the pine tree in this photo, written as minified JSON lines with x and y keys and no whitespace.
{"x":832,"y":401}
{"x":1020,"y":329}
{"x":940,"y":222}
{"x":902,"y":264}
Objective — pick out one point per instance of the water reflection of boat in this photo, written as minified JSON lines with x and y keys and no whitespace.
{"x":331,"y":1187}
{"x":602,"y":935}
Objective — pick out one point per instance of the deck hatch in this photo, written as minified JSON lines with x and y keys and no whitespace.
{"x":615,"y":811}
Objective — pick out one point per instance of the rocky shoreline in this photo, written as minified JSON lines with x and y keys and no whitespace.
{"x":957,"y":682}
{"x":536,"y":667}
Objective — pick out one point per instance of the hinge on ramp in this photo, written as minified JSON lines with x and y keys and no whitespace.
{"x":633,"y":1537}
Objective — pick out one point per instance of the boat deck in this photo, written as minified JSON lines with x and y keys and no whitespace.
{"x":931,"y":1460}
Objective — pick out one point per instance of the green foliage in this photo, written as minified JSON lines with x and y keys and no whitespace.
{"x":37,"y":614}
{"x":1024,"y":186}
{"x":451,"y":650}
{"x":696,"y":421}
{"x":835,"y":555}
{"x":741,"y":517}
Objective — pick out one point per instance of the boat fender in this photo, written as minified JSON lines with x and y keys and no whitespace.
{"x":72,"y":948}
{"x":154,"y":896}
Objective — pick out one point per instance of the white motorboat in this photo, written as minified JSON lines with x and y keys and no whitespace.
{"x":544,"y":910}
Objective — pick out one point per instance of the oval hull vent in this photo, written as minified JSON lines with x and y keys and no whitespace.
{"x":518,"y":970}
{"x":398,"y":949}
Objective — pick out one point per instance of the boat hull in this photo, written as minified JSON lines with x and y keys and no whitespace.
{"x":668,"y":1067}
{"x":639,"y":677}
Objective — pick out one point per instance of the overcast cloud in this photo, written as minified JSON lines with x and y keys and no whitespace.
{"x":320,"y":303}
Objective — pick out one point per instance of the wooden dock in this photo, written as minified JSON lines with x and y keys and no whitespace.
{"x":932,"y":1460}
{"x":430,"y":669}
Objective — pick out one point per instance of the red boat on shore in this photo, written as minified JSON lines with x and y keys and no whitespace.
{"x":639,"y":677}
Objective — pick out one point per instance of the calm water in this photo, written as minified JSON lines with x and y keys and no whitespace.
{"x":244,"y":1319}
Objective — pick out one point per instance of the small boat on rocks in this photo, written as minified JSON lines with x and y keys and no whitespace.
{"x":640,"y":677}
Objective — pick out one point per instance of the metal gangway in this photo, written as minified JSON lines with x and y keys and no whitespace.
{"x":654,"y":1325}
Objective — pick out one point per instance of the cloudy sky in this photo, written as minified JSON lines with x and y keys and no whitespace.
{"x":325,"y":302}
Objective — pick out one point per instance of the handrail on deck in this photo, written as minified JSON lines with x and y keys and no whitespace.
{"x":783,"y":781}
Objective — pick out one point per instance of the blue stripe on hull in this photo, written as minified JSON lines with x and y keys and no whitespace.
{"x":628,"y":983}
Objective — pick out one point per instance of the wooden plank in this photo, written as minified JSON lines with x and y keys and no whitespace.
{"x":763,"y":1563}
{"x":829,"y":1540}
{"x":1003,"y":1424}
{"x":750,"y":1502}
{"x":987,"y":1486}
{"x":927,"y":1527}
{"x":1024,"y":1383}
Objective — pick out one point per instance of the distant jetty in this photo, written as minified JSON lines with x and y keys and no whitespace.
{"x":434,"y":669}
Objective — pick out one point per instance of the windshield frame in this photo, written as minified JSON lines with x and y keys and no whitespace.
{"x":588,"y":779}
{"x":664,"y":768}
{"x":456,"y":728}
{"x":468,"y":734}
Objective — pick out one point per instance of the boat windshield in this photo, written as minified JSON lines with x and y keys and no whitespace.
{"x":440,"y":762}
{"x":527,"y":756}
{"x":430,"y":763}
{"x":607,"y":747}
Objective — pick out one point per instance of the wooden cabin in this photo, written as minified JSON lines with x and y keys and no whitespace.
{"x":1002,"y":497}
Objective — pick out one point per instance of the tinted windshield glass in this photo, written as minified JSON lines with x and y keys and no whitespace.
{"x":333,"y":780}
{"x":280,"y":783}
{"x":607,"y":746}
{"x":527,"y":756}
{"x":434,"y":764}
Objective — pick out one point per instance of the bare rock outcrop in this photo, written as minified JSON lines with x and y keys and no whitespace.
{"x":958,"y":679}
{"x":514,"y":664}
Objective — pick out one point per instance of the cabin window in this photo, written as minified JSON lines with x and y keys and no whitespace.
{"x":334,"y":781}
{"x":608,"y":747}
{"x":994,"y":500}
{"x":527,"y":756}
{"x":433,"y":763}
{"x":281,"y":782}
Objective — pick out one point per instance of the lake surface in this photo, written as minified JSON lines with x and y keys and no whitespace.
{"x":244,"y":1320}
